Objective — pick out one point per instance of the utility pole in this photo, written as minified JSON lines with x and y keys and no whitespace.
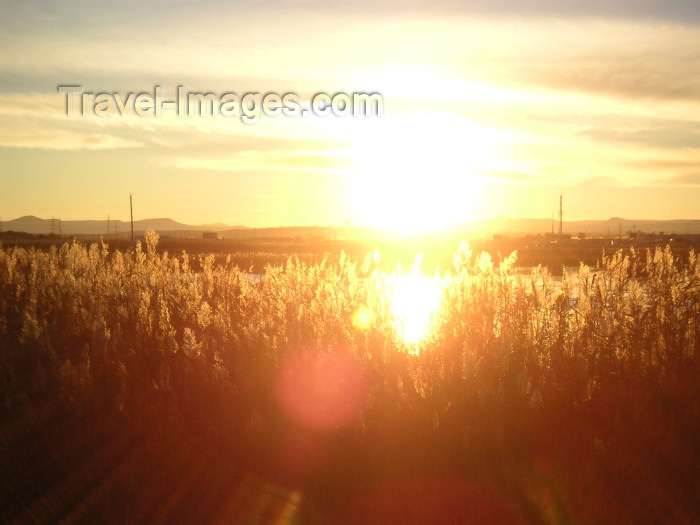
{"x":131,"y":207}
{"x":552,"y":223}
{"x":561,"y":218}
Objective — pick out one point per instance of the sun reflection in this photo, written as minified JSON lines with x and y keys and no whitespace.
{"x":415,"y":299}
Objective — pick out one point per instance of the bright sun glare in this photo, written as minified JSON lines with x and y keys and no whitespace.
{"x":414,"y":302}
{"x":418,"y":172}
{"x":415,"y":299}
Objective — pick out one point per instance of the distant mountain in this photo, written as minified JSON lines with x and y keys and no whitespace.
{"x":612,"y":226}
{"x":32,"y":224}
{"x":615,"y":225}
{"x":505,"y":225}
{"x":29,"y":224}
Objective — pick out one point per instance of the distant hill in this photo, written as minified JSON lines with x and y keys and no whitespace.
{"x":613,"y":226}
{"x":36,"y":225}
{"x":504,"y":225}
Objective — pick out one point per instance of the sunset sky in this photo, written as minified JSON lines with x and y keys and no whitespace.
{"x":491,"y":109}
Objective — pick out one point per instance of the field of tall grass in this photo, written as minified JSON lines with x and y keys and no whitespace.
{"x":145,"y":387}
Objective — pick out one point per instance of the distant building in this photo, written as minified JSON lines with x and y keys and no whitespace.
{"x":211,"y":236}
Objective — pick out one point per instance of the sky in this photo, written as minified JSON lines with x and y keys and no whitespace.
{"x":489,"y":109}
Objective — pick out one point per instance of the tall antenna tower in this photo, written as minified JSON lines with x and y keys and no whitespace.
{"x":561,"y":217}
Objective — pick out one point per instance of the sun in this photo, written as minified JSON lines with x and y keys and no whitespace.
{"x":417,"y":172}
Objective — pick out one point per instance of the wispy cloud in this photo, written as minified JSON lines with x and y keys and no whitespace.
{"x":663,"y":135}
{"x":37,"y":120}
{"x":689,"y":179}
{"x":515,"y":178}
{"x":251,"y":161}
{"x":661,"y":74}
{"x":665,"y":164}
{"x":82,"y":11}
{"x":56,"y":139}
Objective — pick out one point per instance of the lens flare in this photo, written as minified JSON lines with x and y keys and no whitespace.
{"x":322,"y":392}
{"x":363,"y":318}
